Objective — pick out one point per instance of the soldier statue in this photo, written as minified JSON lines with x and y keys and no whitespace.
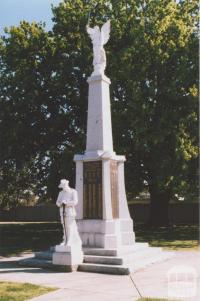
{"x":66,"y":201}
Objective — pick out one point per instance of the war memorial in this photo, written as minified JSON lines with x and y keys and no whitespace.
{"x":102,"y":237}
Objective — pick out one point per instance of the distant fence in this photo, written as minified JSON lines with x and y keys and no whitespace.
{"x":31,"y":213}
{"x":178,"y":213}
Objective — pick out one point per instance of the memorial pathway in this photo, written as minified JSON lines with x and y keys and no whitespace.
{"x":80,"y":286}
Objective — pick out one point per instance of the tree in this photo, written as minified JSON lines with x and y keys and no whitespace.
{"x":37,"y":123}
{"x":152,"y":62}
{"x":152,"y":57}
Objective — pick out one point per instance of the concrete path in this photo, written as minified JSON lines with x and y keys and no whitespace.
{"x":80,"y":286}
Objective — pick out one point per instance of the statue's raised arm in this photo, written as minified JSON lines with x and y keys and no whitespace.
{"x":99,"y":38}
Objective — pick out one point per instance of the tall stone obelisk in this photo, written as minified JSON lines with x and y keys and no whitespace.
{"x":102,"y":213}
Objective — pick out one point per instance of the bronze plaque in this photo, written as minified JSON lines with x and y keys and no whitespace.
{"x":114,"y":188}
{"x":92,"y":190}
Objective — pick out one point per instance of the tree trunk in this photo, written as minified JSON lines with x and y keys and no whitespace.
{"x":159,"y":207}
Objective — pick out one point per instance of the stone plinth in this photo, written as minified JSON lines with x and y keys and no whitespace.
{"x":69,"y":256}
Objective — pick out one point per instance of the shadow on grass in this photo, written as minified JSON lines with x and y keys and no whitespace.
{"x":16,"y":238}
{"x":28,"y":237}
{"x":17,"y":269}
{"x":175,"y":238}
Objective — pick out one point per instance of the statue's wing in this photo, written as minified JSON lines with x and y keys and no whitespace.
{"x":105,"y":32}
{"x":93,"y":32}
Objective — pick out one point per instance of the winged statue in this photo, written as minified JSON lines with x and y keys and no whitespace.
{"x":99,"y":39}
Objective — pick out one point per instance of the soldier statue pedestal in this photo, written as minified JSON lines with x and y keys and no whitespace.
{"x":69,"y":253}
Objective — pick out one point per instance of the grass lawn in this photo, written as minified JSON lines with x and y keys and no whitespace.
{"x":11,"y":291}
{"x":178,"y":237}
{"x":18,"y":237}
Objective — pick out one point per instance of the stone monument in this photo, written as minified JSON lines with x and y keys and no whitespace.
{"x":102,"y":213}
{"x":69,"y":252}
{"x":103,"y":219}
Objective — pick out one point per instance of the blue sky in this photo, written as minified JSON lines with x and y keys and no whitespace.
{"x":14,"y":11}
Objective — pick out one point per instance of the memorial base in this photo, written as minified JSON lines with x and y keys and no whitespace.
{"x":68,"y":256}
{"x":108,"y":234}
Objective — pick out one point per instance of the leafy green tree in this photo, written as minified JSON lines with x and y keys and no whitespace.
{"x":37,"y":123}
{"x":152,"y":62}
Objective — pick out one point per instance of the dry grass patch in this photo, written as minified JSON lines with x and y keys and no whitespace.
{"x":12,"y":291}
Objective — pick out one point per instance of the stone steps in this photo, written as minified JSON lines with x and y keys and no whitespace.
{"x":103,"y":260}
{"x":114,"y":252}
{"x":125,"y":259}
{"x":99,"y":252}
{"x":139,"y":249}
{"x":104,"y":269}
{"x":108,"y":261}
{"x":123,"y":266}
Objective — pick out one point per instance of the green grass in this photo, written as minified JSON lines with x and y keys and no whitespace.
{"x":19,"y":237}
{"x":178,"y":237}
{"x":11,"y":291}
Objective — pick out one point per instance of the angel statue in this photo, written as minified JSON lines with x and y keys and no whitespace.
{"x":99,"y":38}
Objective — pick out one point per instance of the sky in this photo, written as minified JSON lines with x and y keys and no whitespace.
{"x":14,"y":11}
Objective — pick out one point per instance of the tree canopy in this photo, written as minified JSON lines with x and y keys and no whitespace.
{"x":152,"y":60}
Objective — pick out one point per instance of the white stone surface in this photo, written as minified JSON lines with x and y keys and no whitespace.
{"x":99,"y":39}
{"x":66,"y":201}
{"x":106,"y":193}
{"x":123,"y":204}
{"x":69,"y":252}
{"x":98,"y":155}
{"x":79,"y":188}
{"x":113,"y":233}
{"x":109,"y":232}
{"x":99,"y":130}
{"x":72,"y":258}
